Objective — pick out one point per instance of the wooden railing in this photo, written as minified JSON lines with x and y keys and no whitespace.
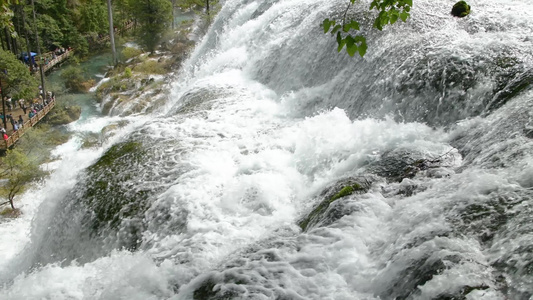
{"x":16,"y":135}
{"x":106,"y":37}
{"x":57,"y":60}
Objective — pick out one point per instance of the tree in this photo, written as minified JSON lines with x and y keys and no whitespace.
{"x":18,"y":170}
{"x":389,"y":12}
{"x":18,"y":82}
{"x":154,"y":17}
{"x":6,"y":15}
{"x":93,"y":16}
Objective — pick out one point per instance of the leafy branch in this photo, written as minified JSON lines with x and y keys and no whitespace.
{"x":390,"y":11}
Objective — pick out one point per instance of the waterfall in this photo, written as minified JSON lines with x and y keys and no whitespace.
{"x":281,"y":169}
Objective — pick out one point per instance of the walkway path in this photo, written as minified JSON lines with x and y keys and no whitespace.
{"x":14,"y":136}
{"x":51,"y":62}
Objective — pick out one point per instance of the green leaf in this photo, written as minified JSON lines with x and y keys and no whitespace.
{"x":326,"y":25}
{"x":354,"y":25}
{"x":409,"y":2}
{"x":377,"y":23}
{"x":351,"y":49}
{"x":404,"y":15}
{"x":394,"y":17}
{"x":351,"y":46}
{"x":362,"y":49}
{"x":335,"y":29}
{"x":341,"y":45}
{"x":360,"y":39}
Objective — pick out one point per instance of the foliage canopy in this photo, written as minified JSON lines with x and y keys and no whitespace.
{"x":346,"y":30}
{"x":17,"y":80}
{"x":18,"y":169}
{"x":154,"y":17}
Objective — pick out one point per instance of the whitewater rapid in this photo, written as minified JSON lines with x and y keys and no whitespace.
{"x":264,"y":122}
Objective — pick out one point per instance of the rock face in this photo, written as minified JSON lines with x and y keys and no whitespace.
{"x":460,"y":9}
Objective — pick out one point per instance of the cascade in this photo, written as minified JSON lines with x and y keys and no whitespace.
{"x":281,"y":169}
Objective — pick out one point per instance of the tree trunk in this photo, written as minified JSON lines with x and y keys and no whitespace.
{"x":173,"y":16}
{"x":28,"y":46}
{"x":8,"y":41}
{"x":111,"y":32}
{"x":3,"y":42}
{"x":38,"y":50}
{"x":11,"y":203}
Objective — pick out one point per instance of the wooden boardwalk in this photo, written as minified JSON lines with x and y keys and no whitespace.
{"x":14,"y":136}
{"x":59,"y":59}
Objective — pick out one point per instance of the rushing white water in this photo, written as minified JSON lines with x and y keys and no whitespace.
{"x":203,"y":200}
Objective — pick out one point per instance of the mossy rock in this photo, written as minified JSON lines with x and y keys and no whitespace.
{"x":318,"y":213}
{"x":91,"y":140}
{"x":62,"y":116}
{"x":460,"y":9}
{"x":74,"y":112}
{"x":513,"y":87}
{"x":110,"y":194}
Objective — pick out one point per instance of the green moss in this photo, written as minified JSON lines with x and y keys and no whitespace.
{"x":323,"y":206}
{"x":109,"y":191}
{"x":63,"y":115}
{"x":117,"y":151}
{"x":461,"y":9}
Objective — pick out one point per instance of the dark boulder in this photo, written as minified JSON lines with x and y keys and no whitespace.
{"x":460,"y":9}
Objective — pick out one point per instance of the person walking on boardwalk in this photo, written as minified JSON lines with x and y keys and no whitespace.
{"x":12,"y":120}
{"x":7,"y":103}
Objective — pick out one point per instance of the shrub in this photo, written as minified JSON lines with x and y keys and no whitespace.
{"x":74,"y":79}
{"x":130,"y":52}
{"x":150,"y":67}
{"x":127,"y":72}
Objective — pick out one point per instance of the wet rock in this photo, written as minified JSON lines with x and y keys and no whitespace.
{"x":460,"y":9}
{"x":513,"y":86}
{"x":461,"y":295}
{"x":399,"y":164}
{"x":328,"y":210}
{"x":417,"y":274}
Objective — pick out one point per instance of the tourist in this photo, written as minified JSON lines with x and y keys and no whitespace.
{"x":21,"y":120}
{"x":12,"y":121}
{"x":7,"y":103}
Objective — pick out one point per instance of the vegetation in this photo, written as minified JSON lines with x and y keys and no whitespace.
{"x":16,"y":78}
{"x":130,"y":52}
{"x":460,"y":9}
{"x":154,"y":17}
{"x":18,"y":169}
{"x":75,"y":80}
{"x":320,"y":210}
{"x":347,"y":31}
